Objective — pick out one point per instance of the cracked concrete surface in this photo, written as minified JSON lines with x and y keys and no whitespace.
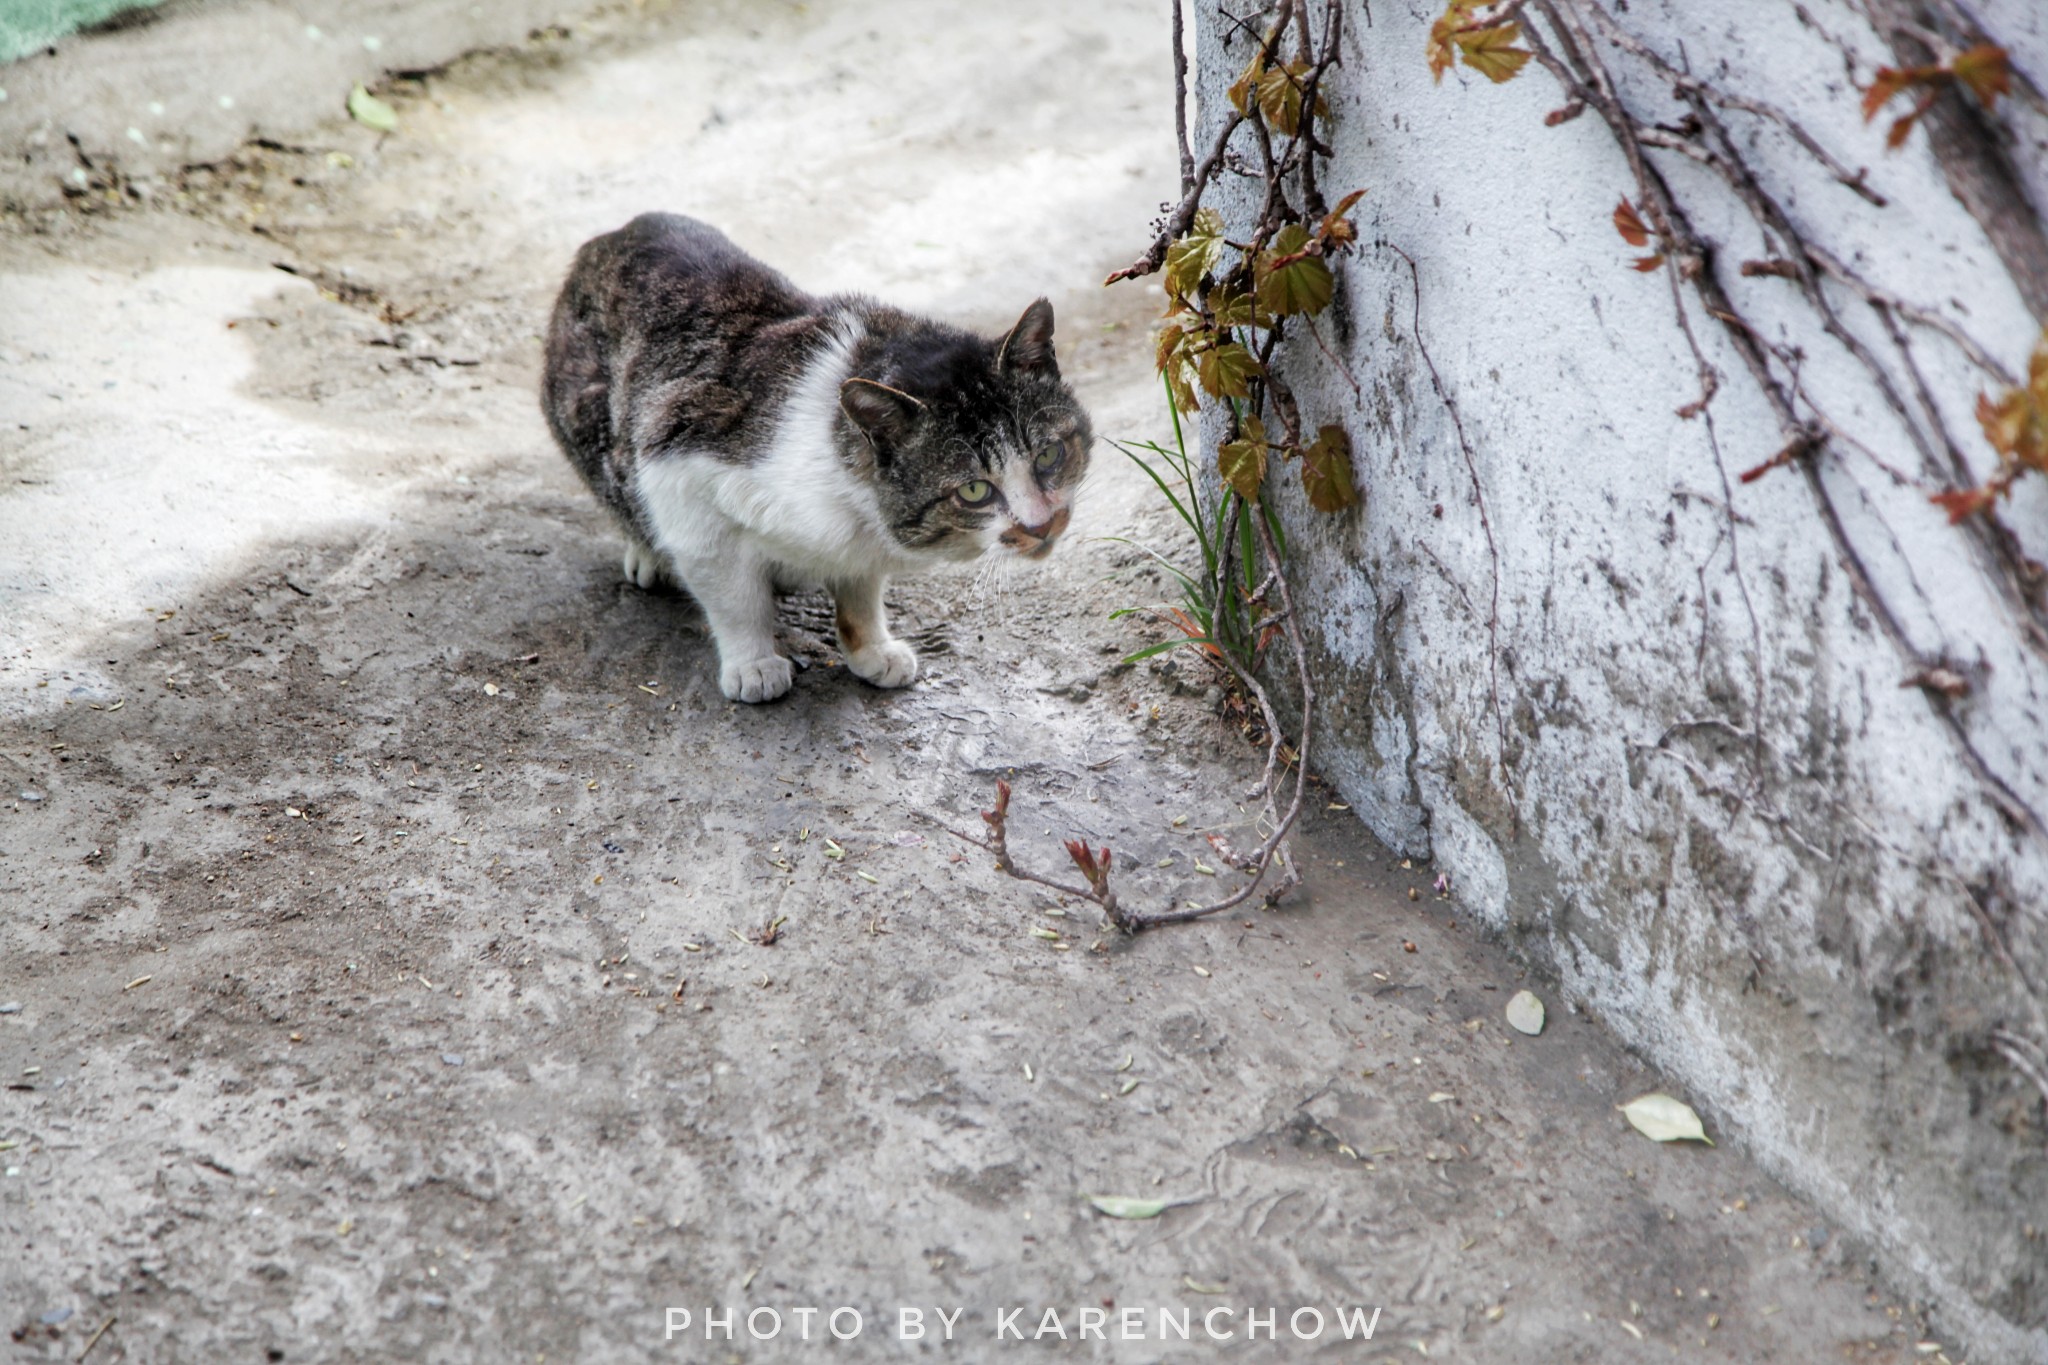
{"x":380,"y":874}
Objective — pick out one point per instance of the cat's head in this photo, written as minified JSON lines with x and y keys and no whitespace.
{"x":972,"y":445}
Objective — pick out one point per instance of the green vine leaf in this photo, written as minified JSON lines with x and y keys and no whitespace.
{"x":1196,"y":254}
{"x":1241,"y":90}
{"x":1290,"y":278}
{"x":1227,"y":369}
{"x":1231,"y":308}
{"x":1279,"y":96}
{"x":1242,"y":462}
{"x":1326,"y":471}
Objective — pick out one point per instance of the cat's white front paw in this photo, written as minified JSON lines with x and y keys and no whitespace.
{"x":642,"y":566}
{"x":762,"y":679}
{"x":889,"y":664}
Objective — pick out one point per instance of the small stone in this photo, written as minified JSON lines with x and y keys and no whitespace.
{"x":1525,"y":1013}
{"x":434,"y":1300}
{"x":55,"y":1316}
{"x":30,"y":794}
{"x":11,"y":1007}
{"x":451,"y":1059}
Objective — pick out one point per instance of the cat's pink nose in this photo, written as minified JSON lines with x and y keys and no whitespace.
{"x":1044,"y":528}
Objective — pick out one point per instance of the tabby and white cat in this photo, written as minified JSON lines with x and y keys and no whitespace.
{"x":750,"y":436}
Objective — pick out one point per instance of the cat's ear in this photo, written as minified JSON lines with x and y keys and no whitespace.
{"x":1028,"y":347}
{"x":884,"y":415}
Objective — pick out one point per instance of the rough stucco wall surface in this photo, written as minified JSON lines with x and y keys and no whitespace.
{"x":1679,"y":769}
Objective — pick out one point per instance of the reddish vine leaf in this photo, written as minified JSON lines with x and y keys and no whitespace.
{"x":2016,"y":425}
{"x":1890,"y":82}
{"x":1290,"y":278}
{"x":1646,"y":264}
{"x":1242,"y":462}
{"x":1629,"y":224}
{"x":1963,"y":503}
{"x":1226,"y":370}
{"x":1902,"y":127}
{"x":1172,"y":338}
{"x":1326,"y":471}
{"x":1336,"y":227}
{"x":1986,"y":70}
{"x":1492,"y":51}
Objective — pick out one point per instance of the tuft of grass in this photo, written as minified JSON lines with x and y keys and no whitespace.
{"x":1216,"y":614}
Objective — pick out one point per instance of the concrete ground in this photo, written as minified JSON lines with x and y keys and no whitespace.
{"x":380,"y":877}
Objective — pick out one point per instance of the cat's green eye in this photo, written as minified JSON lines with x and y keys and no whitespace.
{"x":976,"y":493}
{"x":1049,"y":458}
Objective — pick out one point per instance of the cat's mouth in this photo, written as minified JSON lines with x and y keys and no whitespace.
{"x":1036,"y":542}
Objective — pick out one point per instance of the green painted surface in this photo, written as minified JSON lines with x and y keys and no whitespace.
{"x":26,"y":25}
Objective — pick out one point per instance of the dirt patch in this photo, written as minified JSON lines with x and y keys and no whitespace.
{"x":386,"y":916}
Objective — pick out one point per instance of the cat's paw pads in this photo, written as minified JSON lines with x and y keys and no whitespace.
{"x":890,"y":664}
{"x":642,"y":566}
{"x":762,"y":679}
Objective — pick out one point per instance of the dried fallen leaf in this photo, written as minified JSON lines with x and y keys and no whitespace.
{"x":1658,"y":1116}
{"x":1525,"y":1013}
{"x":366,"y":109}
{"x":1049,"y":935}
{"x":1120,"y":1206}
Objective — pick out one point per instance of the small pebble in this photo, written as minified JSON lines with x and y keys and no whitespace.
{"x":11,"y":1007}
{"x":55,"y":1316}
{"x":31,"y":794}
{"x":451,"y":1059}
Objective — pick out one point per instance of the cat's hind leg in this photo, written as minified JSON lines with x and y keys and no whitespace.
{"x":737,"y":593}
{"x":871,"y":651}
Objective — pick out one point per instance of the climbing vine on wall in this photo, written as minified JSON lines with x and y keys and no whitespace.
{"x":1230,"y":301}
{"x":1953,"y":81}
{"x":1482,"y":35}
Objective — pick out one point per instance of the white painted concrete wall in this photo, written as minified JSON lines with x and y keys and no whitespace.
{"x":1791,"y":939}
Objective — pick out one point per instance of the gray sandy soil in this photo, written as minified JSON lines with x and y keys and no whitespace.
{"x":379,"y":875}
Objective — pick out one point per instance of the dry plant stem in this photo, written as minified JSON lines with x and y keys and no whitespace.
{"x":1180,"y":101}
{"x":1183,"y":215}
{"x":1443,"y":396}
{"x":1686,"y":84}
{"x":1273,"y":852}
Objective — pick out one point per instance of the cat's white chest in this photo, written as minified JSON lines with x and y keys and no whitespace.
{"x":795,"y":506}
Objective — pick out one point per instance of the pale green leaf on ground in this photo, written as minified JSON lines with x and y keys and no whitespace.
{"x":1120,"y":1206}
{"x":1525,"y":1013}
{"x":1658,"y":1116}
{"x":366,"y":109}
